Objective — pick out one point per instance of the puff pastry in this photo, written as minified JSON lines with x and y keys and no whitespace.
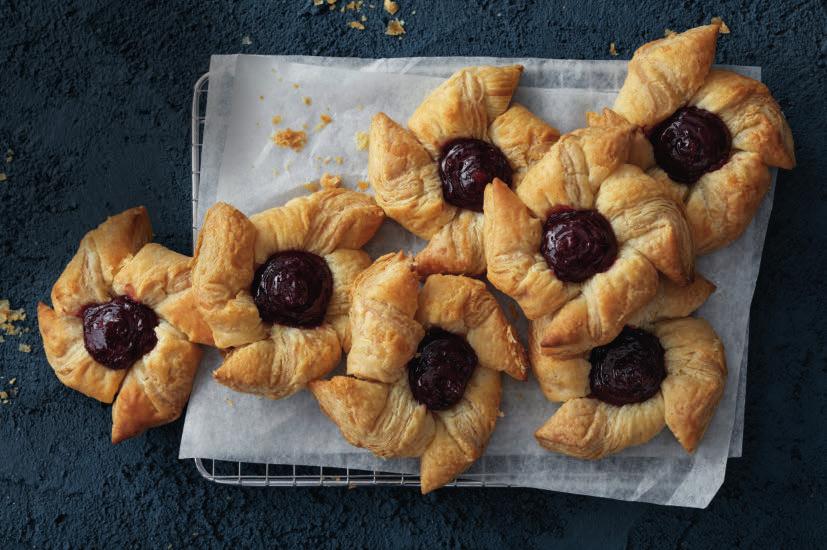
{"x":694,"y":115}
{"x":116,"y":264}
{"x":277,"y":358}
{"x":375,"y":406}
{"x":469,"y":119}
{"x":586,"y":172}
{"x":591,"y":426}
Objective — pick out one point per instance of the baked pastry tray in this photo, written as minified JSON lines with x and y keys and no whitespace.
{"x":499,"y":470}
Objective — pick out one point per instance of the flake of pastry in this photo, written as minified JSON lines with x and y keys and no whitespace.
{"x":3,"y":395}
{"x":356,"y":25}
{"x":395,"y":27}
{"x":296,"y":85}
{"x":12,"y":381}
{"x":318,"y":2}
{"x":724,"y":29}
{"x":324,"y":120}
{"x":362,"y":185}
{"x":8,"y":318}
{"x":229,"y":402}
{"x":289,"y":138}
{"x":3,"y":177}
{"x":276,"y":120}
{"x":612,"y":49}
{"x":329,"y":181}
{"x":340,"y":160}
{"x":246,"y":40}
{"x":9,"y":156}
{"x":362,"y":140}
{"x":307,"y":100}
{"x":391,"y":7}
{"x":354,"y":5}
{"x":24,"y":348}
{"x":363,"y":18}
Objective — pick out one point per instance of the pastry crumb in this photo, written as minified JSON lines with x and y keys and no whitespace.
{"x":24,"y":348}
{"x":501,"y":414}
{"x":294,"y":139}
{"x":3,"y":177}
{"x":326,"y":160}
{"x":723,"y":28}
{"x":340,"y":160}
{"x":391,"y":7}
{"x":246,"y":40}
{"x":362,"y":185}
{"x":230,"y":402}
{"x":354,"y":5}
{"x":324,"y":120}
{"x":668,"y":32}
{"x":395,"y":28}
{"x":318,"y":2}
{"x":307,"y":100}
{"x":12,"y":381}
{"x":9,"y":155}
{"x":296,"y":85}
{"x":362,"y":140}
{"x":8,"y":318}
{"x":612,"y":49}
{"x":330,"y":181}
{"x":276,"y":120}
{"x":356,"y":25}
{"x":312,"y":186}
{"x":363,"y":18}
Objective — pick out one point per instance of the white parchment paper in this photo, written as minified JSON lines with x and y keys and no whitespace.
{"x":240,"y":165}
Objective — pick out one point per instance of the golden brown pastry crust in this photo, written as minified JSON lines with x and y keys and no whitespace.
{"x":402,"y":163}
{"x":374,"y":407}
{"x":674,"y":72}
{"x":114,"y":260}
{"x":586,"y":169}
{"x":695,"y":364}
{"x":277,"y":361}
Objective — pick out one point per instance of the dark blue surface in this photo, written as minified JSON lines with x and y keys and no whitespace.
{"x":94,"y":101}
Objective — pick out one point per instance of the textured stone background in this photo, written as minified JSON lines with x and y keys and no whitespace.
{"x":94,"y":102}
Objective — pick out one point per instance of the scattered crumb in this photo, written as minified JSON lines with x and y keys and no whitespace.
{"x":3,"y":395}
{"x":362,"y":185}
{"x":613,"y":49}
{"x":304,"y":126}
{"x":363,"y":18}
{"x":12,"y":381}
{"x":340,"y":160}
{"x":296,"y":85}
{"x":395,"y":28}
{"x":246,"y":40}
{"x":25,"y":348}
{"x":3,"y":177}
{"x":318,"y":2}
{"x":391,"y":7}
{"x":356,"y":25}
{"x":324,"y":120}
{"x":331,"y":2}
{"x":229,"y":402}
{"x":8,"y":318}
{"x":261,"y":98}
{"x":329,"y":181}
{"x":9,"y":156}
{"x":362,"y":140}
{"x":413,"y":12}
{"x":668,"y":32}
{"x":354,"y":5}
{"x":276,"y":120}
{"x":326,"y":160}
{"x":312,"y":186}
{"x":307,"y":100}
{"x":724,"y":29}
{"x":360,"y":107}
{"x":293,"y":139}
{"x":501,"y":414}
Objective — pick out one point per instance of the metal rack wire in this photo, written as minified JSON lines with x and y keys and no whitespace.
{"x":287,"y":475}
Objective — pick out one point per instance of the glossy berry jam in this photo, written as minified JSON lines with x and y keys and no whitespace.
{"x":691,"y":143}
{"x":577,"y":244}
{"x":118,"y":332}
{"x":629,"y":369}
{"x":441,"y":369}
{"x":466,"y":167}
{"x":293,"y":288}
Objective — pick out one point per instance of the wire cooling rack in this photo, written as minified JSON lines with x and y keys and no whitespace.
{"x":287,"y":475}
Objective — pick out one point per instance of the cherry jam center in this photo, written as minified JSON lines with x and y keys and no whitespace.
{"x":691,"y":143}
{"x":118,"y":332}
{"x":629,"y":369}
{"x":578,"y":244}
{"x":466,"y":166}
{"x":293,"y":288}
{"x":441,"y":369}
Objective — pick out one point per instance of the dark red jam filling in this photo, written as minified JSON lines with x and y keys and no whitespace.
{"x":441,"y":369}
{"x":293,"y":288}
{"x":466,"y":166}
{"x":578,"y":244}
{"x":629,"y":369}
{"x":691,"y":143}
{"x":118,"y":332}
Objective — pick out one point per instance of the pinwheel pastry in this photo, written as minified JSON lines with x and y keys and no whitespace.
{"x":714,"y":132}
{"x":660,"y":370}
{"x":124,"y":322}
{"x":430,"y":177}
{"x":581,"y":241}
{"x":275,"y":288}
{"x":423,"y":373}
